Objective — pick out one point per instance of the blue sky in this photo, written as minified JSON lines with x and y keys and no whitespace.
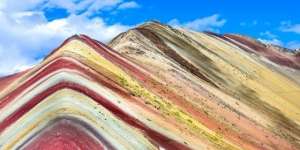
{"x":256,"y":18}
{"x":32,"y":28}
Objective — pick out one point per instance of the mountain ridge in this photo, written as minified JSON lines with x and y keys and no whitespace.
{"x":154,"y":87}
{"x":128,"y":47}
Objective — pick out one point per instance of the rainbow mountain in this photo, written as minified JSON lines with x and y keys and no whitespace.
{"x":155,"y":87}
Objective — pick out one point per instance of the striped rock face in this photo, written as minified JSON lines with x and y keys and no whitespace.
{"x":155,"y":88}
{"x":244,"y":93}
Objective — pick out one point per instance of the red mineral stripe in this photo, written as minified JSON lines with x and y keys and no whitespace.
{"x":64,"y":135}
{"x":155,"y":136}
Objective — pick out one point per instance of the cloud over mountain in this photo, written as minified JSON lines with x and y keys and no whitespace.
{"x":29,"y":34}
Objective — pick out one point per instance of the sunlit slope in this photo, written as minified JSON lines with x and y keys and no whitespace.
{"x":156,"y":88}
{"x":101,"y":95}
{"x":235,"y":92}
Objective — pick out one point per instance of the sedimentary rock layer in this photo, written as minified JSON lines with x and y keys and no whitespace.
{"x":155,"y":88}
{"x":237,"y":87}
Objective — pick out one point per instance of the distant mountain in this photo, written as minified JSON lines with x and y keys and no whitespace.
{"x":155,"y":87}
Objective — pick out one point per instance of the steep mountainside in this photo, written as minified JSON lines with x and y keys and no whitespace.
{"x":155,"y":87}
{"x":233,"y":85}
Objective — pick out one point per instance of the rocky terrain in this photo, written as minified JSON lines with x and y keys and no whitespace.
{"x":155,"y":87}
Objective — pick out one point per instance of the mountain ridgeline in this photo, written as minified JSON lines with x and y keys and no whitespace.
{"x":155,"y":87}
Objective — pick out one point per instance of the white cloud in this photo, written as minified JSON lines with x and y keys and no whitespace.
{"x":271,"y":41}
{"x":268,"y":34}
{"x":270,"y":38}
{"x":27,"y":35}
{"x":126,"y":5}
{"x":287,"y":26}
{"x":12,"y":60}
{"x":210,"y":23}
{"x":72,"y":6}
{"x":275,"y":41}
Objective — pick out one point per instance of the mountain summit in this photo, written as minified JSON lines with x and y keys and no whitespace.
{"x":155,"y":87}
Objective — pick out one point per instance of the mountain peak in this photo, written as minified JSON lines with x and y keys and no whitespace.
{"x":152,"y":22}
{"x":229,"y":62}
{"x":155,"y":87}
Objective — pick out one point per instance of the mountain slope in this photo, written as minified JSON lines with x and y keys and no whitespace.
{"x":156,"y":88}
{"x":85,"y":83}
{"x":245,"y":97}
